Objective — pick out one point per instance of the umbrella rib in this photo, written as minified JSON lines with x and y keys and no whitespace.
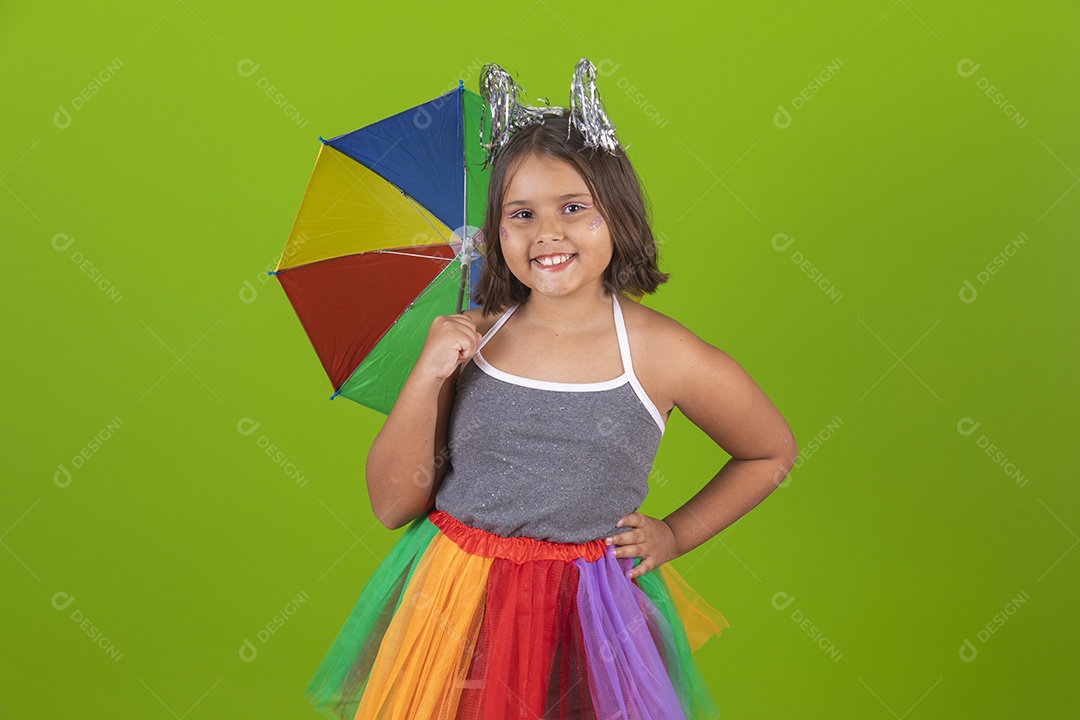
{"x":435,"y":282}
{"x":419,"y":210}
{"x":415,"y":255}
{"x":358,"y":178}
{"x":372,"y":171}
{"x":457,"y":256}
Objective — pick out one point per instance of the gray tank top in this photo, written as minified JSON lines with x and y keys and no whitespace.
{"x":548,"y":460}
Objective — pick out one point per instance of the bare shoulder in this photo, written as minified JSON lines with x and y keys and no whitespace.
{"x":659,"y":334}
{"x":708,"y":386}
{"x":677,"y":362}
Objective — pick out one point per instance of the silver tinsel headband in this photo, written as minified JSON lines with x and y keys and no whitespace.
{"x":500,"y":94}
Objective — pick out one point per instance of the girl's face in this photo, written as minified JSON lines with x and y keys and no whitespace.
{"x":553,"y":237}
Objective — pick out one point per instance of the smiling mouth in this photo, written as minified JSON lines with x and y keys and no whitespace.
{"x":549,"y":261}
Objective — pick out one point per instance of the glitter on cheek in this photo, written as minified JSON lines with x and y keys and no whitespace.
{"x":595,"y":223}
{"x":502,"y":232}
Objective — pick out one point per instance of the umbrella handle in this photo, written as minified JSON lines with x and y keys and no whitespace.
{"x":462,"y":284}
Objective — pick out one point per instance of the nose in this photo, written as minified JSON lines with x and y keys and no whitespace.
{"x":549,"y":228}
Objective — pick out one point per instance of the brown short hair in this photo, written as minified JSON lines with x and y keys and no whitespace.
{"x":614,"y":186}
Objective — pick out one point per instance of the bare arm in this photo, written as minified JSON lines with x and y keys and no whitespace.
{"x":717,"y":395}
{"x":408,"y":458}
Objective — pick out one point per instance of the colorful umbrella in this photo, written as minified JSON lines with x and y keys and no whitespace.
{"x":385,"y":240}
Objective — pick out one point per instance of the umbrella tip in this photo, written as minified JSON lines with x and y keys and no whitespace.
{"x":336,"y":393}
{"x":321,"y":140}
{"x":460,"y":83}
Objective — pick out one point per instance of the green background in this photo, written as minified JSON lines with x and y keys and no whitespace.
{"x":932,"y":499}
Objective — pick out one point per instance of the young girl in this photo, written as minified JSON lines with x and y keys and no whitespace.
{"x":527,"y":584}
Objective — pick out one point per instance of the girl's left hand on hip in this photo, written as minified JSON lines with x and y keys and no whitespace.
{"x":651,"y":539}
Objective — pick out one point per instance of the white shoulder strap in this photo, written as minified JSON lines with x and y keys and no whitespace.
{"x":624,"y":343}
{"x":498,"y":324}
{"x":628,"y":367}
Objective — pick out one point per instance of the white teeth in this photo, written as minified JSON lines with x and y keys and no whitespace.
{"x":553,"y":259}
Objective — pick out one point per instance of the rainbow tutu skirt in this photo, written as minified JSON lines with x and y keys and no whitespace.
{"x":460,"y":623}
